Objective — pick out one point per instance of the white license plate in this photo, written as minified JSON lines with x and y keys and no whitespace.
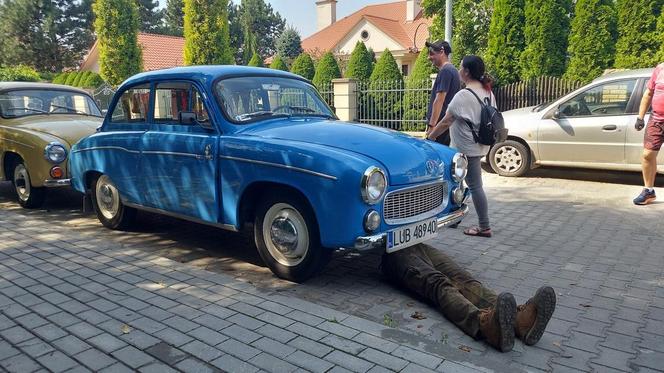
{"x":410,"y":235}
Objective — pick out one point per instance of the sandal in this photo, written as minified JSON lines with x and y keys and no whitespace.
{"x":476,"y":231}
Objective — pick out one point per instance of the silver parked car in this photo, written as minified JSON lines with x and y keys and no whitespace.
{"x":592,"y":127}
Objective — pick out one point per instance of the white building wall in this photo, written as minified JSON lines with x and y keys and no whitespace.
{"x":377,"y":39}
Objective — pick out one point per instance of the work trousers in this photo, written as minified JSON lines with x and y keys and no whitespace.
{"x":436,"y":277}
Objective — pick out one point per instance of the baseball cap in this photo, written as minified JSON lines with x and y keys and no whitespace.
{"x":440,"y":45}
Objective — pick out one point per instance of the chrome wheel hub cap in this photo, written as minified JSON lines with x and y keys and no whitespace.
{"x":285,"y":234}
{"x":22,"y":182}
{"x":108,"y":199}
{"x":508,"y":159}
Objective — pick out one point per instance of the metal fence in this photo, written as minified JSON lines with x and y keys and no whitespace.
{"x":103,"y":95}
{"x":393,"y":104}
{"x":326,"y":91}
{"x":533,"y":92}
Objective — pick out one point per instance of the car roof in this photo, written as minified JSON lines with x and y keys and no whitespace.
{"x":208,"y":73}
{"x":5,"y":86}
{"x":637,"y":73}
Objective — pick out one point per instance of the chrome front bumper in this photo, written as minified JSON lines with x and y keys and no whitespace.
{"x":57,"y":183}
{"x":378,"y":241}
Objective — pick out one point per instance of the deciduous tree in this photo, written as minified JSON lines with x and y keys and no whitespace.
{"x":206,"y":32}
{"x":46,"y":35}
{"x":470,"y":25}
{"x":117,"y":23}
{"x":592,"y":39}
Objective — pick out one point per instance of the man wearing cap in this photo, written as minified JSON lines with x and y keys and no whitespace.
{"x":446,"y":86}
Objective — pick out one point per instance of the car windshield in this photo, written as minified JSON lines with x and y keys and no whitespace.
{"x":541,"y":107}
{"x":253,"y":98}
{"x":24,"y":102}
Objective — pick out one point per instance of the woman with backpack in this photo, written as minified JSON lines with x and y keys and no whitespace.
{"x":464,"y":119}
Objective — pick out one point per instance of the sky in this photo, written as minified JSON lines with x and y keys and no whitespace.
{"x":301,"y":14}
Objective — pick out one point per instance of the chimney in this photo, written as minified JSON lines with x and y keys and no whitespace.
{"x":327,"y":13}
{"x":412,"y":9}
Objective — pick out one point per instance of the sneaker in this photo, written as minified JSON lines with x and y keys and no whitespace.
{"x":645,"y":197}
{"x":532,"y":317}
{"x":497,"y":323}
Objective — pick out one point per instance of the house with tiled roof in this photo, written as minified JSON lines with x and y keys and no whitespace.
{"x":399,"y":26}
{"x":159,"y":52}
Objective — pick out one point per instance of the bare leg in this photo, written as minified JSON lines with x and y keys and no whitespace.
{"x":649,"y":167}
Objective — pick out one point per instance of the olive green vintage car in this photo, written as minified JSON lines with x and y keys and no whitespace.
{"x":39,"y":123}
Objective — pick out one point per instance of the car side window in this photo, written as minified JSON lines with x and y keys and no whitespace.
{"x":173,"y":98}
{"x":132,"y":107}
{"x":609,"y":98}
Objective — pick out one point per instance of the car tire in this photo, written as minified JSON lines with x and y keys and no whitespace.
{"x":297,"y":254}
{"x":111,"y":212}
{"x":510,"y":158}
{"x":29,"y":197}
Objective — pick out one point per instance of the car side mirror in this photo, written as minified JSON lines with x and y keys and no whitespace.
{"x":556,"y":114}
{"x":190,"y":118}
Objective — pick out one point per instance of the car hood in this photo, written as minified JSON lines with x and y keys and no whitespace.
{"x":405,"y":157}
{"x":68,"y":128}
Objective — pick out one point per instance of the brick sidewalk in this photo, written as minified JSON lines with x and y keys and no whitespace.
{"x":68,"y":303}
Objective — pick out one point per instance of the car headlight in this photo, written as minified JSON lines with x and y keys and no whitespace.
{"x":459,"y":167}
{"x":374,"y":185}
{"x":55,"y":152}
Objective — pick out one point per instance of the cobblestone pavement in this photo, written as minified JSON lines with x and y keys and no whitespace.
{"x":604,"y":257}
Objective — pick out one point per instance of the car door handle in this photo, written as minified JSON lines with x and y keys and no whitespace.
{"x":610,"y":127}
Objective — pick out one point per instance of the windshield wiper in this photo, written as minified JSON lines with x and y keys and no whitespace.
{"x":258,"y":114}
{"x":300,"y":108}
{"x":29,"y":108}
{"x":70,"y":109}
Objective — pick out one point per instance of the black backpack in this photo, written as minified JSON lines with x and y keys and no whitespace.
{"x":492,"y":126}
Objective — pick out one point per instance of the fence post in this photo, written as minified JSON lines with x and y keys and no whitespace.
{"x":345,"y":98}
{"x":433,"y":79}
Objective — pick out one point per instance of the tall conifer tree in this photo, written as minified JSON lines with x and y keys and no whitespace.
{"x":592,"y":40}
{"x":360,"y":65}
{"x":638,"y":40}
{"x":506,"y":41}
{"x":546,"y":35}
{"x":117,"y":24}
{"x":206,"y":32}
{"x":174,"y":17}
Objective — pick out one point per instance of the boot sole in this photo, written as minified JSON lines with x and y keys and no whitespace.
{"x":545,"y":301}
{"x":506,"y":307}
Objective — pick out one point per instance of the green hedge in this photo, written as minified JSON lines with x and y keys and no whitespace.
{"x":19,"y":73}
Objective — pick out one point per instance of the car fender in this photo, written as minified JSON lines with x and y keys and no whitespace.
{"x":328,"y":178}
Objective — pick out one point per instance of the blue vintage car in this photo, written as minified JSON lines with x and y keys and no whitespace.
{"x":228,"y":145}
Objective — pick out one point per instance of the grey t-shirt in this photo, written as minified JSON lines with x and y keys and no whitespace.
{"x":464,"y":105}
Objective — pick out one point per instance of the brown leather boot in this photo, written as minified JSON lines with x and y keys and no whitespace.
{"x":532,"y":317}
{"x":497,"y":323}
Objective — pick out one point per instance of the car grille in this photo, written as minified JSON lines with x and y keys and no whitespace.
{"x":411,"y":204}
